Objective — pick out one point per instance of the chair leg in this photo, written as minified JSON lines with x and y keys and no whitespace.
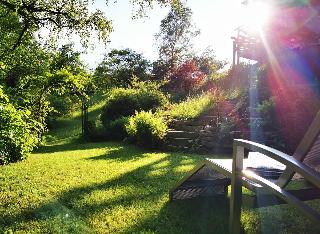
{"x":236,"y":190}
{"x":235,"y":207}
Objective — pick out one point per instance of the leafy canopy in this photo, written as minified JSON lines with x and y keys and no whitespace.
{"x":120,"y":67}
{"x":175,"y":37}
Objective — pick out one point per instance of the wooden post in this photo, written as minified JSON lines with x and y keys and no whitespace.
{"x":236,"y":189}
{"x":84,"y":118}
{"x":234,"y":53}
{"x":237,"y":47}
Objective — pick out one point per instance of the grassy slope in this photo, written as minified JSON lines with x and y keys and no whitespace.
{"x":68,"y":187}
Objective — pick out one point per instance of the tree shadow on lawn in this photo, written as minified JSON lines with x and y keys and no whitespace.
{"x":197,"y":215}
{"x":145,"y":188}
{"x":116,"y":150}
{"x":121,"y":153}
{"x":77,"y":146}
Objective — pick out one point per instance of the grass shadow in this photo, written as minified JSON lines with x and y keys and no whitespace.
{"x":76,"y":146}
{"x":198,"y":215}
{"x":122,"y":154}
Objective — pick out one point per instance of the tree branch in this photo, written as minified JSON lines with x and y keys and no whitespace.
{"x":19,"y":40}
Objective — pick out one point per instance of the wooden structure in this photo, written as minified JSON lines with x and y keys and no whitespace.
{"x":284,"y":32}
{"x":264,"y":177}
{"x":246,"y":46}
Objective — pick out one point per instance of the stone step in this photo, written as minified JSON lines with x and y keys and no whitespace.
{"x":204,"y":120}
{"x":188,"y":128}
{"x":176,"y":148}
{"x":181,"y":134}
{"x":184,"y":142}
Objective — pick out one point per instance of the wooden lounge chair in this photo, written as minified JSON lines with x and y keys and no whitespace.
{"x":264,"y":177}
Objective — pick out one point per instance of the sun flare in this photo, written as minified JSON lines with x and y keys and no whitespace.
{"x":255,"y":15}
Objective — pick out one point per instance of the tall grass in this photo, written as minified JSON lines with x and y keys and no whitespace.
{"x":194,"y":106}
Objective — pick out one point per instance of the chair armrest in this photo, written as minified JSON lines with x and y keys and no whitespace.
{"x":290,"y":162}
{"x":266,"y":150}
{"x":283,"y":194}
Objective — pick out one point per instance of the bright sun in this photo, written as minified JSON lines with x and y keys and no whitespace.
{"x":255,"y":15}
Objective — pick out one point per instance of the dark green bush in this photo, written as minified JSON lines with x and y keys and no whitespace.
{"x":16,"y":137}
{"x":121,"y":102}
{"x":125,"y":102}
{"x":146,"y":129}
{"x":116,"y":129}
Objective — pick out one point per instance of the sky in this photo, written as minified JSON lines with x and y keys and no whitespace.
{"x":216,"y":20}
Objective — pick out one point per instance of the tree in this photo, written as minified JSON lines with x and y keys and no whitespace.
{"x":31,"y":73}
{"x":185,"y":79}
{"x":55,"y":15}
{"x":119,"y":67}
{"x":67,"y":57}
{"x":65,"y":102}
{"x":208,"y":63}
{"x":175,"y":36}
{"x":58,"y":15}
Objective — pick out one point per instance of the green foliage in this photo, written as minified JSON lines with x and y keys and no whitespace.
{"x":67,"y":57}
{"x":266,"y":107}
{"x":144,"y":5}
{"x":116,"y":129}
{"x":121,"y":102}
{"x":63,"y":105}
{"x":73,"y":85}
{"x":146,"y":129}
{"x":32,"y":78}
{"x":193,"y":106}
{"x":63,"y":92}
{"x":73,"y":16}
{"x":39,"y":80}
{"x":17,"y":137}
{"x":175,"y":37}
{"x":238,"y":77}
{"x":125,"y":102}
{"x":209,"y":64}
{"x":119,"y":67}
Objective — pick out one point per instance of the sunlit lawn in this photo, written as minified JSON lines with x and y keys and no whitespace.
{"x":77,"y":187}
{"x":101,"y":187}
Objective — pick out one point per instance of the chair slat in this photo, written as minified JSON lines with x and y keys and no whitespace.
{"x":312,"y":159}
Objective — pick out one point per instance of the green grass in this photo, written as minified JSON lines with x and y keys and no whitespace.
{"x":101,"y":187}
{"x":115,"y":188}
{"x":68,"y":130}
{"x":192,"y":107}
{"x":72,"y":187}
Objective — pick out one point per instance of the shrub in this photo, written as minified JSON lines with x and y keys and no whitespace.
{"x":125,"y":102}
{"x":16,"y":136}
{"x":116,"y":129}
{"x":146,"y":129}
{"x":121,"y":102}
